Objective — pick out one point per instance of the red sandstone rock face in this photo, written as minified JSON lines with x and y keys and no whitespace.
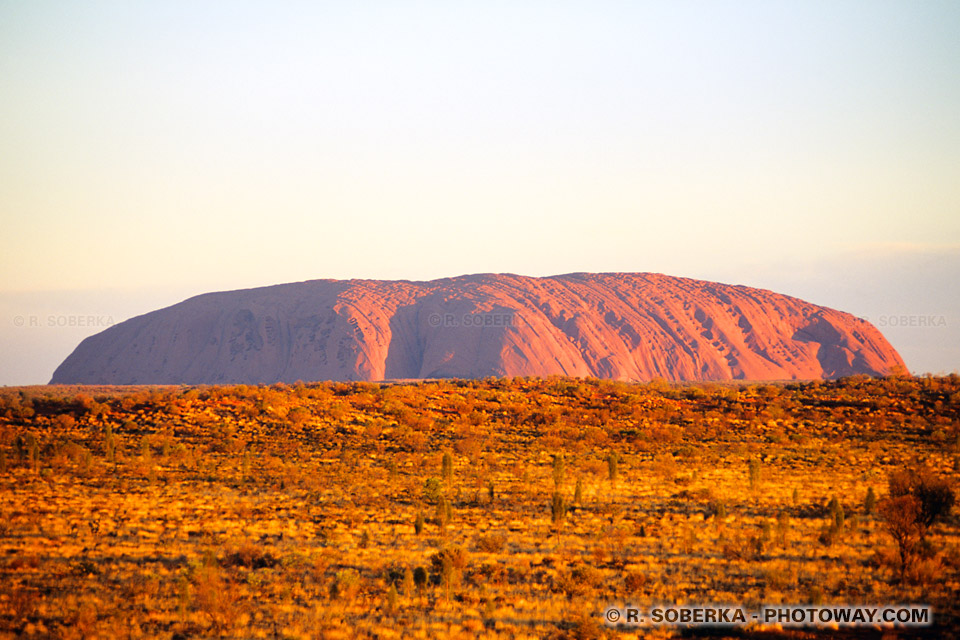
{"x":611,"y":325}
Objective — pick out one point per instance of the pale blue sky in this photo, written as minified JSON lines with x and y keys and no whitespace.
{"x":152,"y":150}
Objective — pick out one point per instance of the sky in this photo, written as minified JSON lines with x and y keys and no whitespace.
{"x":150,"y":151}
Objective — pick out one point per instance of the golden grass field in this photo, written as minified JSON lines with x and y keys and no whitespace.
{"x":455,"y":509}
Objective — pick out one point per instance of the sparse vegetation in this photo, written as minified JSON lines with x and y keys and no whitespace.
{"x":494,"y":508}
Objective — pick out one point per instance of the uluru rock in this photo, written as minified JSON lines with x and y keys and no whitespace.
{"x":630,"y":326}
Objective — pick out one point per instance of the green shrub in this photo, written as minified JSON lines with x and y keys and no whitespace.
{"x":420,"y":577}
{"x":346,"y":585}
{"x":491,"y":543}
{"x":558,"y":471}
{"x":870,"y":502}
{"x":432,"y":490}
{"x":558,"y":508}
{"x":753,"y":473}
{"x":418,"y":523}
{"x":835,"y":510}
{"x":613,"y":463}
{"x":446,"y":466}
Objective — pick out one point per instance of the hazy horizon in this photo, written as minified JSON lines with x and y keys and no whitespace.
{"x":157,"y":151}
{"x":925,"y":333}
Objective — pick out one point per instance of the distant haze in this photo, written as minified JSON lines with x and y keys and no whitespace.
{"x":153,"y":151}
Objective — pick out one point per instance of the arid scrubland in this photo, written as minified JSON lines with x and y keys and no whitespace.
{"x":501,"y":508}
